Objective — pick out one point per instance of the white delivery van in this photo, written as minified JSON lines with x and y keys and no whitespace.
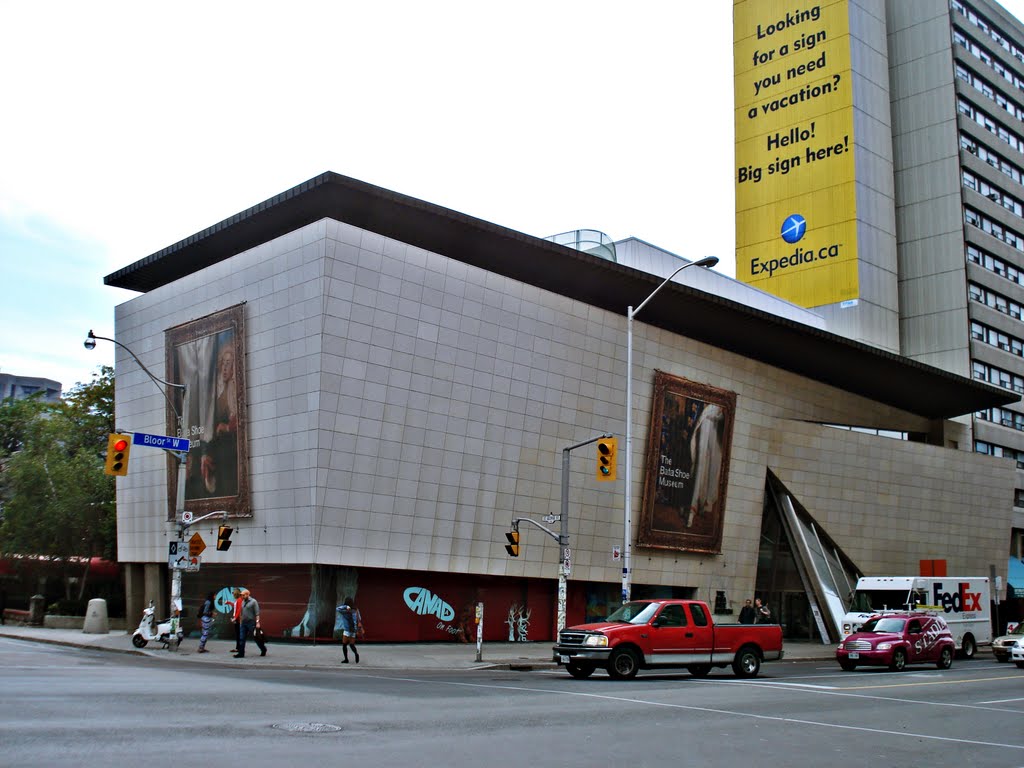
{"x":962,"y":601}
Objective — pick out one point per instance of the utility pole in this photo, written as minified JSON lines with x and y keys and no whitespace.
{"x":182,"y":455}
{"x":565,"y":552}
{"x":562,"y":537}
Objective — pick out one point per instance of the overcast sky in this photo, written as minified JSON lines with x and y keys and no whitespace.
{"x":129,"y":126}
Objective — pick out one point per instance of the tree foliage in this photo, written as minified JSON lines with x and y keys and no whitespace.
{"x":57,"y":502}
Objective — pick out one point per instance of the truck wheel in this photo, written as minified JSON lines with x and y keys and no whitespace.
{"x":580,"y":671}
{"x":699,"y":670}
{"x":899,"y":660}
{"x":139,"y":641}
{"x":968,"y":647}
{"x":747,"y":663}
{"x":623,"y":664}
{"x":848,"y":666}
{"x":945,"y":658}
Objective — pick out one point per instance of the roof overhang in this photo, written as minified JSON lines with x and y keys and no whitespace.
{"x":819,"y":355}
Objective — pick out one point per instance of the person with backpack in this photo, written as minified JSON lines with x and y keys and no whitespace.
{"x":764,"y":613}
{"x":205,"y":622}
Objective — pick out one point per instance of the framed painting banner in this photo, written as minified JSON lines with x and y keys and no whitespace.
{"x":208,"y":356}
{"x":687,"y":466}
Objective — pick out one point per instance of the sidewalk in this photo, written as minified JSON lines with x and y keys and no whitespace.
{"x":409,"y":656}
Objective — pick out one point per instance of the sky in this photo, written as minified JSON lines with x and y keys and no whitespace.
{"x":129,"y":126}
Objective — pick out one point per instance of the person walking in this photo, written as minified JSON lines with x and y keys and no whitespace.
{"x":747,"y":613}
{"x":763,"y":612}
{"x":351,"y":624}
{"x":236,"y":615}
{"x":205,"y":621}
{"x":250,"y":625}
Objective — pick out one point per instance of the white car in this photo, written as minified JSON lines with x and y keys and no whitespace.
{"x":1001,"y":645}
{"x":1017,"y":653}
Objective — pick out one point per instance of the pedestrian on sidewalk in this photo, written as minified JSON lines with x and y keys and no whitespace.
{"x":747,"y":613}
{"x":764,"y":613}
{"x":250,"y":625}
{"x":350,"y":622}
{"x":205,"y":622}
{"x":236,"y":616}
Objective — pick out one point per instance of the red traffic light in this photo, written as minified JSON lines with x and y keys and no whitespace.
{"x":118,"y":447}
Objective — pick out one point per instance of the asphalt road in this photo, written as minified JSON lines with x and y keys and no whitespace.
{"x":66,"y":706}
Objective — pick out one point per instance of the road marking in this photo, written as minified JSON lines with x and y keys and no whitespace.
{"x":779,"y":683}
{"x":934,"y":682}
{"x":903,"y":735}
{"x":1000,"y":701}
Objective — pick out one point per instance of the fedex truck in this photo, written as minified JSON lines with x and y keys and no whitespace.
{"x":962,"y":601}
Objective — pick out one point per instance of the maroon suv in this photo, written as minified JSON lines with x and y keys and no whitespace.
{"x":896,"y":639}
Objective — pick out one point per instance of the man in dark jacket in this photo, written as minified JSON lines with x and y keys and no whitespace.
{"x":747,"y":615}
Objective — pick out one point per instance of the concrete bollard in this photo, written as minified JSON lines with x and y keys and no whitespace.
{"x":36,"y":610}
{"x":96,"y":622}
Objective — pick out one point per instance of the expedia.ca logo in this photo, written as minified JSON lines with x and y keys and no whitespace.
{"x":794,"y":228}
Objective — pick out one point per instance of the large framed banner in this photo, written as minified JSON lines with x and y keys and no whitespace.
{"x":687,"y":467}
{"x":208,"y":356}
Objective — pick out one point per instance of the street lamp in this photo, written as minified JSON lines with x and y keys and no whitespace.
{"x":707,"y":261}
{"x":182,"y":456}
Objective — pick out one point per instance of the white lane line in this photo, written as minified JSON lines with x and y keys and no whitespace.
{"x":714,"y":711}
{"x":1000,"y":701}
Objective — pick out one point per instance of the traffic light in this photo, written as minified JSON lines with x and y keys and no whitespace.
{"x":513,"y":543}
{"x":606,"y":449}
{"x":224,"y":538}
{"x":118,"y":447}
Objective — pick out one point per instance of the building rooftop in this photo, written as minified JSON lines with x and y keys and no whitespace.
{"x":728,"y":324}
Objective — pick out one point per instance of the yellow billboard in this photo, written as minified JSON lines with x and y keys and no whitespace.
{"x":796,"y":216}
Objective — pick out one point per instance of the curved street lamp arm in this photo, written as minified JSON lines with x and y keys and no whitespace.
{"x":707,"y":261}
{"x":92,"y":337}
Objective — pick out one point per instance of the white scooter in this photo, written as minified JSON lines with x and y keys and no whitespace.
{"x":161,"y":632}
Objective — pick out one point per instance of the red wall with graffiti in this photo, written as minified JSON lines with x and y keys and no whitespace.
{"x":396,"y":606}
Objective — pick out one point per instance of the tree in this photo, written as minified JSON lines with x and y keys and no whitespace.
{"x":57,"y":502}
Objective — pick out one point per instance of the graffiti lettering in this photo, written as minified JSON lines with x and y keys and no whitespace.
{"x":421,"y":601}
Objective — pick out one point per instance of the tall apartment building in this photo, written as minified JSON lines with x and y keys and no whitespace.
{"x":960,"y":198}
{"x":927,"y":204}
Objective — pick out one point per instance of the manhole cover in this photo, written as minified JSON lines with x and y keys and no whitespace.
{"x":308,"y":727}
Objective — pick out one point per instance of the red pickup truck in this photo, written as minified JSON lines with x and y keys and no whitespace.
{"x":665,"y":634}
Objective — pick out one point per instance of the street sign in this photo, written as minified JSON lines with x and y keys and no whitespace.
{"x":177,"y":555}
{"x":193,"y":565}
{"x":161,"y":441}
{"x":196,"y":545}
{"x":186,"y":517}
{"x":178,"y":562}
{"x":552,"y":518}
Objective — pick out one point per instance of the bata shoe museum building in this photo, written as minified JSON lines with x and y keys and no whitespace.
{"x":377,"y":389}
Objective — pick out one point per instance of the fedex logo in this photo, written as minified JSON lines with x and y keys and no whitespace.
{"x":960,"y":601}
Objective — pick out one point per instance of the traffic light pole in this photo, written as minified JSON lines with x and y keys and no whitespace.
{"x":565,"y":553}
{"x":179,"y":507}
{"x":182,"y":527}
{"x":179,"y":502}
